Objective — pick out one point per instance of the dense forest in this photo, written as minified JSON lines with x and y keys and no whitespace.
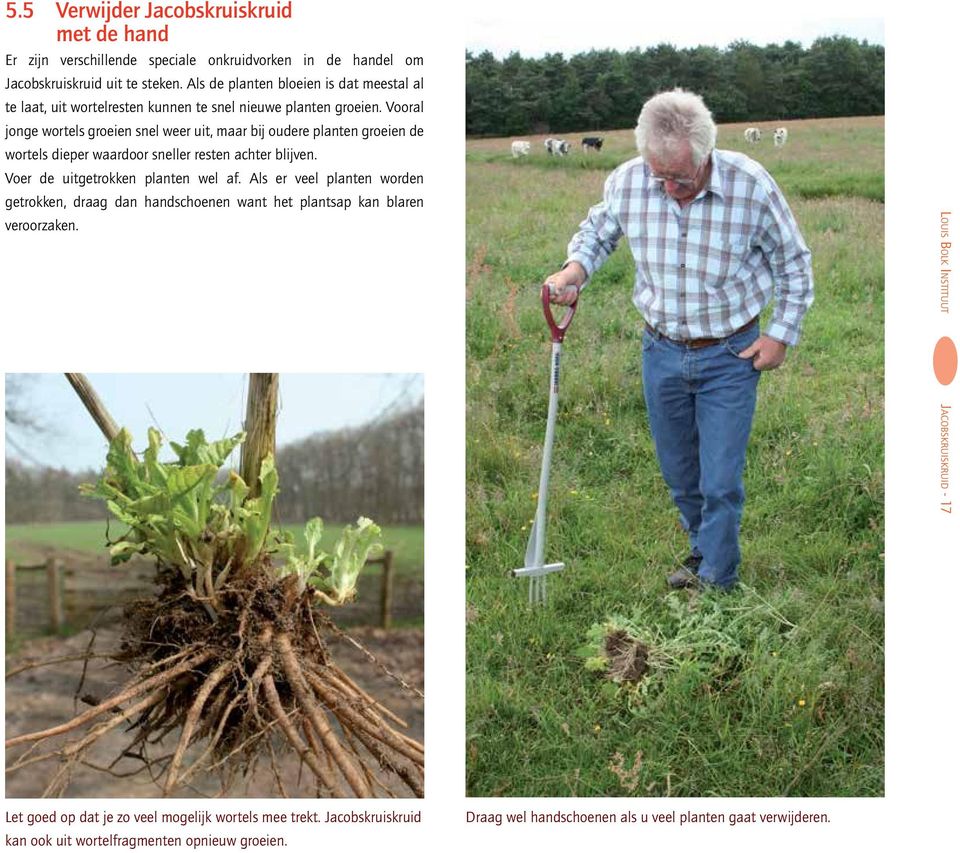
{"x":374,"y":470}
{"x":605,"y":89}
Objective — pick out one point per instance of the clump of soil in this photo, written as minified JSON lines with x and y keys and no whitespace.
{"x":231,"y":673}
{"x":627,"y":657}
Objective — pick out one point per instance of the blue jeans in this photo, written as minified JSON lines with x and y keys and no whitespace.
{"x":700,"y":403}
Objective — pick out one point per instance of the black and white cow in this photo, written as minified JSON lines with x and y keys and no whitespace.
{"x":560,"y":147}
{"x":594,"y":142}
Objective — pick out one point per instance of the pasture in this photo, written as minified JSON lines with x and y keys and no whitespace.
{"x":774,"y":689}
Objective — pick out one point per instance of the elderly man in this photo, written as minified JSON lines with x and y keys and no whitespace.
{"x":713,"y":241}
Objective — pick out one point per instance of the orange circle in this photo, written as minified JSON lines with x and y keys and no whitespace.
{"x":945,"y":361}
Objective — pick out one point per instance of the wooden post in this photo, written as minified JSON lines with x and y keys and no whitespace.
{"x":260,"y":426}
{"x":55,"y":594}
{"x":386,"y":589}
{"x":108,"y":426}
{"x":11,"y":599}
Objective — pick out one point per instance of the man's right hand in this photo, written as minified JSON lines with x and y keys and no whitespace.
{"x":565,"y":284}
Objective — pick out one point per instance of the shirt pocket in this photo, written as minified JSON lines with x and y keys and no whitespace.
{"x":724,"y":259}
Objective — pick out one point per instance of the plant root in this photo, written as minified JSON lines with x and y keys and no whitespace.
{"x":627,"y":657}
{"x":254,"y":683}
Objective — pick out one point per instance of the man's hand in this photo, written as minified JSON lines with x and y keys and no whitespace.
{"x":565,"y":284}
{"x":767,"y":354}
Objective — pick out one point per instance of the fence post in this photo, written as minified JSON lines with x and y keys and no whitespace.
{"x":55,"y":594}
{"x":386,"y":589}
{"x":11,"y":599}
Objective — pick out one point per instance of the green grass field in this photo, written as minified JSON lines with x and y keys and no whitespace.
{"x":22,"y":539}
{"x":88,"y":536}
{"x":775,"y":689}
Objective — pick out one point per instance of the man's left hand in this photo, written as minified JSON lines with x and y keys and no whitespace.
{"x":767,"y":354}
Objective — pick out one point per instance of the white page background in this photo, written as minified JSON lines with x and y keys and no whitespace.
{"x":370,"y":293}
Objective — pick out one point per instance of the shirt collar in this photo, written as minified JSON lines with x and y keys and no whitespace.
{"x":714,"y":183}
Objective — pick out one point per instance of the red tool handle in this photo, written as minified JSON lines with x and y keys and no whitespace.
{"x":557,"y":330}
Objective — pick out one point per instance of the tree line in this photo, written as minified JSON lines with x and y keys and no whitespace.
{"x":374,"y":470}
{"x":605,"y":89}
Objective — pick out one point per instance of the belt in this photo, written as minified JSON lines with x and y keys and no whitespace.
{"x":698,"y":343}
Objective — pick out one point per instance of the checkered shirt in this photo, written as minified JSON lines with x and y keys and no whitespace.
{"x":708,"y":268}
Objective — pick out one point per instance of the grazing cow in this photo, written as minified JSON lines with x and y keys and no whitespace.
{"x":520,"y":148}
{"x":752,"y":135}
{"x":779,"y":136}
{"x":560,"y":147}
{"x":594,"y":142}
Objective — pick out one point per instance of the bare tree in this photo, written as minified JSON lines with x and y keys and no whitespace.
{"x":374,"y":470}
{"x":20,"y":423}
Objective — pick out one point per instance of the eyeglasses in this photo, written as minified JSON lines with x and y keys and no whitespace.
{"x":683,"y":182}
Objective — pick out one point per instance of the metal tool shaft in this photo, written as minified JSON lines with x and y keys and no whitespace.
{"x":537,"y":541}
{"x":534,"y":568}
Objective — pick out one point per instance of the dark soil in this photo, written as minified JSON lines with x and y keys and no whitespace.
{"x":627,"y":657}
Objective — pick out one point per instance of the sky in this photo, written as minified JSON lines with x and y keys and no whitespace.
{"x":177,"y":403}
{"x":535,"y":34}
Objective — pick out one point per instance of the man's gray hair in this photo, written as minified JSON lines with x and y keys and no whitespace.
{"x":669,"y":119}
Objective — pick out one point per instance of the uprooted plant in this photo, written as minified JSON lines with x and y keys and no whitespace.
{"x":638,"y":651}
{"x":231,"y":652}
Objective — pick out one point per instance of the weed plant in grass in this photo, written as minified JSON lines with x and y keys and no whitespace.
{"x":780,"y":689}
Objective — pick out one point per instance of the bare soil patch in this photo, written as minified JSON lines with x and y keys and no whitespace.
{"x":627,"y":657}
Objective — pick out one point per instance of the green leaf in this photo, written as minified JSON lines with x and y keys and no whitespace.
{"x":217,"y":452}
{"x":269,"y":478}
{"x":191,"y":489}
{"x":259,"y":509}
{"x":238,"y":491}
{"x":609,"y":690}
{"x":155,"y":472}
{"x":313,"y":533}
{"x":353,"y":549}
{"x":121,"y":514}
{"x":122,"y":465}
{"x":197,"y":451}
